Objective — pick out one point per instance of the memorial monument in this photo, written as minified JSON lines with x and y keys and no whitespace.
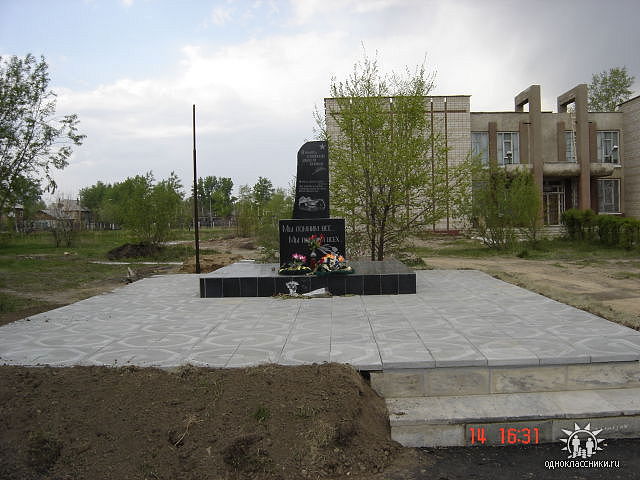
{"x":311,"y":233}
{"x":312,"y":249}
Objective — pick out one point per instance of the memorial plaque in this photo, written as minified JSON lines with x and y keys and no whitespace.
{"x":295,"y":233}
{"x":312,"y":181}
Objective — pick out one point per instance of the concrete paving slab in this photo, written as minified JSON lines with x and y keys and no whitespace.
{"x":511,"y":406}
{"x":456,"y":318}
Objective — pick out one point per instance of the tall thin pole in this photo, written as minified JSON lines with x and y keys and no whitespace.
{"x":433,"y":167}
{"x":446,"y":162}
{"x":195,"y":196}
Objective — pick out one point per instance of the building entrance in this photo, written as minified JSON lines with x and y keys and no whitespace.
{"x":554,"y":203}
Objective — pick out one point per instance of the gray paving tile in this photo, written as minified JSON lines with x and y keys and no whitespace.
{"x":553,"y":351}
{"x":607,"y":349}
{"x":363,"y":355}
{"x":448,"y":353}
{"x":457,"y":318}
{"x":295,"y":354}
{"x":505,"y":352}
{"x":405,"y":355}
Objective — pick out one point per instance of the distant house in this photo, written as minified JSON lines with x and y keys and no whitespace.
{"x":71,"y":209}
{"x":68,"y":211}
{"x":45,"y":220}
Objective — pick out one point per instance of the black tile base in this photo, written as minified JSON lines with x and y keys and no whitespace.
{"x":249,"y":279}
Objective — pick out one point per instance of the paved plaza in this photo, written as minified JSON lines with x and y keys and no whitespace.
{"x":457,"y":318}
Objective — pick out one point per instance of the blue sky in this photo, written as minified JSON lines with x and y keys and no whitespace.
{"x":131,"y":69}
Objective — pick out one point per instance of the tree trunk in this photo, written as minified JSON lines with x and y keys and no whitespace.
{"x":381,"y":248}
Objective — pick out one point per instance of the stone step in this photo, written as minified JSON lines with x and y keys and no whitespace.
{"x":539,"y":417}
{"x":481,"y":380}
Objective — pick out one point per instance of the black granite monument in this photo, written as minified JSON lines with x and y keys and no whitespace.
{"x":294,"y":236}
{"x":312,"y":181}
{"x":311,"y":207}
{"x":310,"y":217}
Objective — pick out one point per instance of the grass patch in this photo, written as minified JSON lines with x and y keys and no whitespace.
{"x":12,"y":303}
{"x":456,"y":247}
{"x":546,"y":249}
{"x":262,"y":414}
{"x":33,"y":274}
{"x":32,"y":264}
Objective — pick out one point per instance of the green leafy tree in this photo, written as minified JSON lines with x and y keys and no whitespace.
{"x":214,"y":196}
{"x":259,"y":208}
{"x":93,"y":197}
{"x":610,"y":88}
{"x":148,"y":208}
{"x":389,"y":173}
{"x":505,"y":206}
{"x":280,"y":205}
{"x":246,"y":212}
{"x":33,"y":142}
{"x":262,"y":191}
{"x":30,"y":198}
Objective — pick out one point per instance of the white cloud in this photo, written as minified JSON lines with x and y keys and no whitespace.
{"x":127,"y":3}
{"x":255,"y":97}
{"x":221,"y":15}
{"x":305,"y":11}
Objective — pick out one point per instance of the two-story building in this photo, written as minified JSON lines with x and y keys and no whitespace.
{"x":579,"y":159}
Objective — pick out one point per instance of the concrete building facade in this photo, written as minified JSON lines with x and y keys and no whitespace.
{"x":631,"y":146}
{"x":579,"y":159}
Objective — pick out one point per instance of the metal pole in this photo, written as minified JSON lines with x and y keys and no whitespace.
{"x":195,"y":195}
{"x":446,"y":163}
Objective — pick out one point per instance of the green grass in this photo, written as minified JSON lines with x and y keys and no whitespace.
{"x":205,"y":233}
{"x":457,"y":247}
{"x":94,"y":244}
{"x":548,"y":249}
{"x":32,"y":264}
{"x":13,"y":303}
{"x":53,"y":273}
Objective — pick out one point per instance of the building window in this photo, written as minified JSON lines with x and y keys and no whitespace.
{"x":508,"y":148}
{"x":608,"y":147}
{"x":480,"y":146}
{"x":609,"y":195}
{"x":570,"y":142}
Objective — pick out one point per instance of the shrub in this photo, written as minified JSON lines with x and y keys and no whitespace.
{"x":607,"y":229}
{"x":580,"y":223}
{"x":505,"y":207}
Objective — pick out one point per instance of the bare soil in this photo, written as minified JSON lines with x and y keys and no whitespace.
{"x":268,"y":422}
{"x":133,"y":250}
{"x":230,"y":250}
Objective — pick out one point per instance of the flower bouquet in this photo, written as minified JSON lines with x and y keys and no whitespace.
{"x":315,"y":242}
{"x":332,"y":263}
{"x":296,"y":266}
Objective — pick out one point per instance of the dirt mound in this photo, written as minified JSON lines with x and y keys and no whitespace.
{"x":133,"y":250}
{"x":243,"y":243}
{"x":268,"y":422}
{"x":209,"y":263}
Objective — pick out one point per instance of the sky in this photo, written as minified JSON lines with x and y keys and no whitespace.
{"x":257,"y":69}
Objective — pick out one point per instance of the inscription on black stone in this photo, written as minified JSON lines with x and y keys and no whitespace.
{"x":312,"y":181}
{"x":295,"y":233}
